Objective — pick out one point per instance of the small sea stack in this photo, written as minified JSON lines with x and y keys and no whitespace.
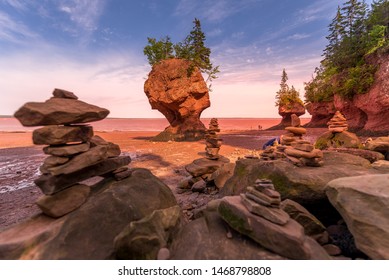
{"x":74,"y":152}
{"x":337,"y":135}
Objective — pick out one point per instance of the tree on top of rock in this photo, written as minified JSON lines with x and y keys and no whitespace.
{"x":192,"y":49}
{"x":286,"y":95}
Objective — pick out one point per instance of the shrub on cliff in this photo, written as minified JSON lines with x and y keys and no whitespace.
{"x":192,"y":49}
{"x":355,"y":33}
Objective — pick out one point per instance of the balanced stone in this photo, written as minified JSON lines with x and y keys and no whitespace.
{"x":303,"y":147}
{"x":58,"y":135}
{"x":297,"y":153}
{"x":65,"y":201}
{"x":295,"y":120}
{"x":50,"y":184}
{"x":61,"y":93}
{"x":273,"y":215}
{"x":56,"y":111}
{"x":54,"y":161}
{"x":66,"y":150}
{"x":81,"y":161}
{"x":296,"y":130}
{"x":263,"y":198}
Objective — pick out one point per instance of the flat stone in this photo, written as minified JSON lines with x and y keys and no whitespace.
{"x":65,"y":201}
{"x":59,"y":135}
{"x":287,"y":240}
{"x":296,"y":130}
{"x":274,"y":215}
{"x":214,"y":142}
{"x":66,"y":150}
{"x":113,"y":150}
{"x":50,"y":184}
{"x":273,"y":201}
{"x":120,"y":169}
{"x":80,"y":161}
{"x":52,"y":161}
{"x":303,"y":147}
{"x":56,"y":111}
{"x":297,"y":153}
{"x":123,"y":174}
{"x":337,"y":129}
{"x":61,"y":93}
{"x":96,"y":140}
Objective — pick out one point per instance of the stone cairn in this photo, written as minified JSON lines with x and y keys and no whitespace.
{"x":204,"y":171}
{"x":263,"y":200}
{"x":337,"y":123}
{"x":213,"y":143}
{"x":296,"y":149}
{"x":74,"y":154}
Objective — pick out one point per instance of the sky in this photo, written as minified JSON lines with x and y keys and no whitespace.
{"x":94,"y":48}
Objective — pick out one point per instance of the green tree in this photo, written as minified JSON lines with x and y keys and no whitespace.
{"x":286,"y":95}
{"x":158,"y":50}
{"x":192,"y":49}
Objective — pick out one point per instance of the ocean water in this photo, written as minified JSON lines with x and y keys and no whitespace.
{"x":116,"y":124}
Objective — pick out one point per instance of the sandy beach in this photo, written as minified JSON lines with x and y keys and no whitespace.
{"x":20,"y":161}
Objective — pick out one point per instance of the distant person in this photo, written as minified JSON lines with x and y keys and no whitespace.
{"x":271,"y":142}
{"x":259,"y":127}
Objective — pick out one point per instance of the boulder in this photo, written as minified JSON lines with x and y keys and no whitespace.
{"x":287,"y":240}
{"x":366,"y":154}
{"x":56,"y":111}
{"x":50,"y":184}
{"x":142,"y":240}
{"x":210,"y":238}
{"x":311,"y":225}
{"x":180,"y":93}
{"x":203,"y":166}
{"x":88,"y":233}
{"x":59,"y":135}
{"x":343,"y":139}
{"x":380,"y":144}
{"x":363,"y":202}
{"x":304,"y":185}
{"x":221,"y":175}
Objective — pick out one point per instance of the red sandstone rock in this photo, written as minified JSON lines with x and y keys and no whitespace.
{"x":286,"y":111}
{"x":181,"y":99}
{"x":368,"y":111}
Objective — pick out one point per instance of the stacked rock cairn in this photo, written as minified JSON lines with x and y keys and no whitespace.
{"x":298,"y":150}
{"x":203,"y":171}
{"x":212,"y":141}
{"x":337,"y":123}
{"x":74,"y":154}
{"x":263,"y":200}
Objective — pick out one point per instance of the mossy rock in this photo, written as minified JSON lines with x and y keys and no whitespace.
{"x":343,"y":139}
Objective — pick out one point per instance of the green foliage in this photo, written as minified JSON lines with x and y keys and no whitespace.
{"x":286,"y":95}
{"x":354,"y":33}
{"x":192,"y":49}
{"x":158,"y":50}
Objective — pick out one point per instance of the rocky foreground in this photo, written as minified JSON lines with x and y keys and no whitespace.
{"x":278,"y":206}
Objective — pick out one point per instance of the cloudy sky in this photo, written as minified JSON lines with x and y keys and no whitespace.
{"x":95,"y":49}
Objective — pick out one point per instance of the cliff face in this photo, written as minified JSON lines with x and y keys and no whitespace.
{"x":368,"y":112}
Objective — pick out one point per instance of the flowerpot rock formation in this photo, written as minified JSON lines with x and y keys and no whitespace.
{"x":180,"y":93}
